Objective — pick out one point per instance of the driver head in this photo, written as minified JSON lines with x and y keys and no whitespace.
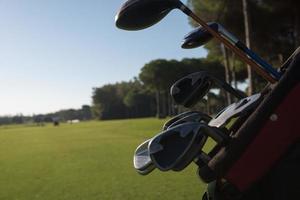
{"x":141,"y":14}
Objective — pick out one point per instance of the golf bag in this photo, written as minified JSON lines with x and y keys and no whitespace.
{"x":263,"y":159}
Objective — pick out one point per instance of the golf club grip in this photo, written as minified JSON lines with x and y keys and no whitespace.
{"x":258,"y":69}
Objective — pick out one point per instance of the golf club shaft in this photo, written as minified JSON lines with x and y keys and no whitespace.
{"x":229,"y":89}
{"x":239,"y":44}
{"x":216,"y":134}
{"x":256,"y":67}
{"x":259,"y":60}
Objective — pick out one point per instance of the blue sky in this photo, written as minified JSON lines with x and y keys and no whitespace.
{"x":53,"y":52}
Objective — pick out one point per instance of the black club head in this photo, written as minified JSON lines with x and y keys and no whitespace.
{"x":198,"y":37}
{"x":188,"y":90}
{"x":141,"y":14}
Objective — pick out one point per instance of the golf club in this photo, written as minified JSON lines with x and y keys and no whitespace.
{"x":185,"y":117}
{"x":188,"y":90}
{"x":177,"y":117}
{"x":141,"y":14}
{"x":175,"y":148}
{"x":141,"y":160}
{"x":200,"y":36}
{"x":195,"y":117}
{"x":234,"y":110}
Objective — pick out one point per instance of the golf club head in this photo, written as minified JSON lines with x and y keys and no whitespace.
{"x":141,"y":160}
{"x":176,"y":118}
{"x":141,"y":14}
{"x":235,"y":110}
{"x":189,"y":89}
{"x":194,"y":117}
{"x":198,"y":37}
{"x":179,"y":144}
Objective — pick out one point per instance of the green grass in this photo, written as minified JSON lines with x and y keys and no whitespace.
{"x":87,"y":161}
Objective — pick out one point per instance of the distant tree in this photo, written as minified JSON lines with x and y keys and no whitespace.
{"x":122,"y":100}
{"x":5,"y":120}
{"x":86,"y":112}
{"x":109,"y":103}
{"x":140,"y":103}
{"x":18,"y":119}
{"x":153,"y":75}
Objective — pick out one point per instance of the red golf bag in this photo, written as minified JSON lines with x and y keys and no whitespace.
{"x":263,"y":159}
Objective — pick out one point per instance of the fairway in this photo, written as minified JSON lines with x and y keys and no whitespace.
{"x":88,"y":161}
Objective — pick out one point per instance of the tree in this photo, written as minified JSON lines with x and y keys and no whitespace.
{"x":275,"y":25}
{"x":108,"y":103}
{"x":86,"y":112}
{"x":247,"y":38}
{"x":122,"y":100}
{"x":141,"y":103}
{"x":157,"y":76}
{"x":18,"y":119}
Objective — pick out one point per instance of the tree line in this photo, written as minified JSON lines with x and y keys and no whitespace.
{"x":148,"y":94}
{"x":82,"y":114}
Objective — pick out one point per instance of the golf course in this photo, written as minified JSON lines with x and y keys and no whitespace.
{"x":88,"y":160}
